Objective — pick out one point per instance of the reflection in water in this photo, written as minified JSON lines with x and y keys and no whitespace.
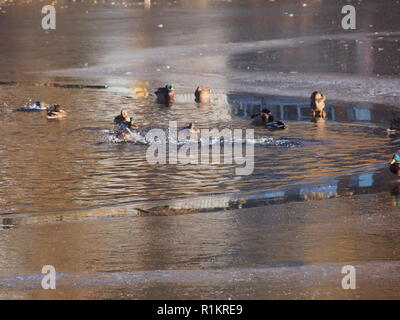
{"x":282,"y":108}
{"x":375,"y":181}
{"x":217,"y":252}
{"x":147,"y":4}
{"x":297,"y":109}
{"x":97,"y":172}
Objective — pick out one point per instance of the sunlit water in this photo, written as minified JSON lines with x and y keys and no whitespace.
{"x":132,"y":232}
{"x":79,"y":162}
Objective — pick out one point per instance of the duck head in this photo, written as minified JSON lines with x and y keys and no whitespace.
{"x":395,"y":164}
{"x":202,"y":95}
{"x":169,"y":92}
{"x":56,"y":108}
{"x":125,"y":115}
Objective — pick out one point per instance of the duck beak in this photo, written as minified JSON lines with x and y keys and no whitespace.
{"x":393,"y":161}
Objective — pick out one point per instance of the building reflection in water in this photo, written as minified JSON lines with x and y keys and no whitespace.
{"x":298,"y":109}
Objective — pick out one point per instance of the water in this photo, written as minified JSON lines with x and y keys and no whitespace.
{"x":78,"y":163}
{"x":320,"y":194}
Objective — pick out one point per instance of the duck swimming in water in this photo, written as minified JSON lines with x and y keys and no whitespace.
{"x":125,"y":121}
{"x":266,"y":118}
{"x":395,"y":164}
{"x":202,"y":95}
{"x":55,"y":112}
{"x":124,"y":125}
{"x":318,"y":105}
{"x":165,"y":95}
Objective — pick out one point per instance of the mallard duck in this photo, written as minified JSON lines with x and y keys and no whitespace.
{"x":266,"y":118}
{"x":318,"y":104}
{"x":125,"y":121}
{"x":165,"y":94}
{"x":55,"y":112}
{"x":395,"y":164}
{"x":202,"y":95}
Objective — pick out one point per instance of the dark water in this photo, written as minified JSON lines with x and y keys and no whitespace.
{"x":115,"y":220}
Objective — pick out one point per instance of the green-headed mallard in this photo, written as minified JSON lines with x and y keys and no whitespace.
{"x":165,"y":94}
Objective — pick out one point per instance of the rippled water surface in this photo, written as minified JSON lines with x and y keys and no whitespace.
{"x":77,"y":163}
{"x":115,"y":226}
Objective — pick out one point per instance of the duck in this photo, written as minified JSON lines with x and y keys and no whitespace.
{"x":318,"y":105}
{"x":266,"y":118}
{"x":125,"y":121}
{"x":395,"y":164}
{"x":202,"y":94}
{"x":165,"y":95}
{"x":125,"y":126}
{"x":55,"y":112}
